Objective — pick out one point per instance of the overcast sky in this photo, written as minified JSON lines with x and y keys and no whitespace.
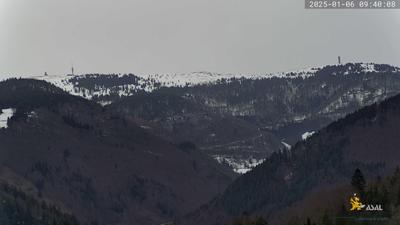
{"x":149,"y":36}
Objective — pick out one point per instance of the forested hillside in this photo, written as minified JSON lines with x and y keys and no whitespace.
{"x":367,"y":139}
{"x":333,"y":205}
{"x":103,"y":168}
{"x":241,"y":121}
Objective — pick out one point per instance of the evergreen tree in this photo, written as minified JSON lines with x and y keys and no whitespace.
{"x":397,"y":171}
{"x":398,"y":197}
{"x":308,"y":221}
{"x":260,"y":221}
{"x":358,"y":181}
{"x":396,"y":176}
{"x":326,"y":220}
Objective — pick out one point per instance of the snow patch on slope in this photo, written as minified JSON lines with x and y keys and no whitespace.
{"x":368,"y":67}
{"x":307,"y":134}
{"x":5,"y":115}
{"x":241,"y":165}
{"x":286,"y":145}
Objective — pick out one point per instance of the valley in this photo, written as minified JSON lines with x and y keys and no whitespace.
{"x":261,"y":113}
{"x":205,"y":152}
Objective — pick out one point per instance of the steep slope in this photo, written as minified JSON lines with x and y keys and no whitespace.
{"x":242,"y":121}
{"x":230,"y":140}
{"x":102,"y":167}
{"x":21,"y":203}
{"x":291,"y":107}
{"x":367,"y":139}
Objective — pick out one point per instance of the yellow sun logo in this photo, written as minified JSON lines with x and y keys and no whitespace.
{"x":356,"y":204}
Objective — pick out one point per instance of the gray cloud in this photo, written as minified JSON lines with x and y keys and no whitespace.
{"x":149,"y":36}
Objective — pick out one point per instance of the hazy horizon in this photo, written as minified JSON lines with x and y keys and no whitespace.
{"x":225,"y":36}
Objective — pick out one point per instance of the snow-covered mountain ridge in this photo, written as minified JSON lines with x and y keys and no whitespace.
{"x":98,"y":86}
{"x":152,"y":82}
